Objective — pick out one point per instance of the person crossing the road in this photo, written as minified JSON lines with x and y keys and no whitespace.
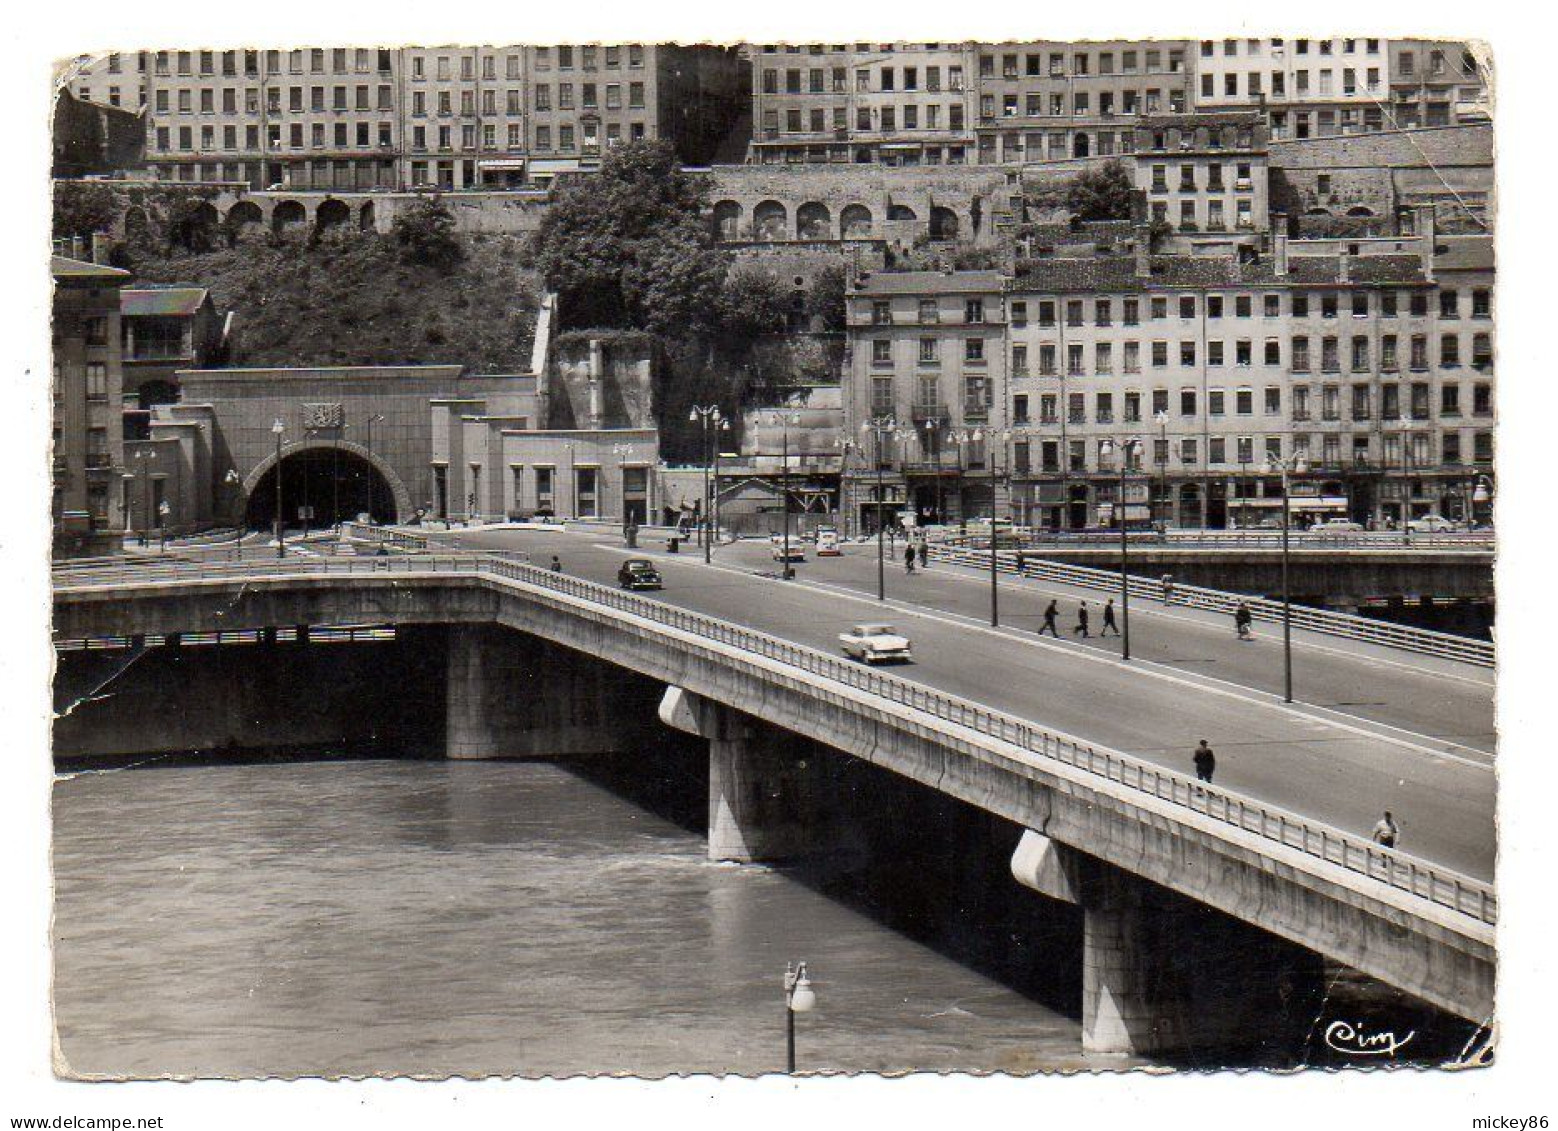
{"x":1051,"y":611}
{"x":1109,"y":619}
{"x":1386,"y":831}
{"x":1206,"y":762}
{"x":1241,"y":621}
{"x":1081,"y":625}
{"x":908,"y":558}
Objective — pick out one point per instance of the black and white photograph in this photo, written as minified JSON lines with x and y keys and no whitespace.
{"x":772,"y":559}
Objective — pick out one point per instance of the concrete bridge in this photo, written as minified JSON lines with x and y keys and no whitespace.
{"x":1161,"y":865}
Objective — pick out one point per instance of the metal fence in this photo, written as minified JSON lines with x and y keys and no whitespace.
{"x":1423,"y":641}
{"x":1481,"y":542}
{"x":1314,"y":839}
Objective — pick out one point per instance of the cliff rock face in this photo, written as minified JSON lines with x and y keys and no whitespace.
{"x":603,"y":380}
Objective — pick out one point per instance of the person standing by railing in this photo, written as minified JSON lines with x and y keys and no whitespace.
{"x":1205,"y":761}
{"x":1385,"y":831}
{"x":1168,"y":588}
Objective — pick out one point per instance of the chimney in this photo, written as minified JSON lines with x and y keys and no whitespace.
{"x":1427,"y":236}
{"x":1279,"y":244}
{"x":1143,"y":249}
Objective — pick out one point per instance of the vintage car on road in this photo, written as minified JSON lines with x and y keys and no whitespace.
{"x":1433,"y":524}
{"x":828,"y":542}
{"x":797,"y":549}
{"x":639,"y":573}
{"x":870,"y":643}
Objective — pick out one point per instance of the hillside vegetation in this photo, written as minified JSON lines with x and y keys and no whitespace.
{"x":353,"y":298}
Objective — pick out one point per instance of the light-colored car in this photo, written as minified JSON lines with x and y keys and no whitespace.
{"x":828,"y":542}
{"x":871,"y":643}
{"x":1433,"y":524}
{"x":797,"y":548}
{"x":1336,"y":526}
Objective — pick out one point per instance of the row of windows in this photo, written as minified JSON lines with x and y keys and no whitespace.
{"x":1301,"y":304}
{"x":835,"y":80}
{"x":1084,"y":63}
{"x":868,"y":119}
{"x":1081,"y":104}
{"x":1395,"y":451}
{"x":588,"y":95}
{"x":1414,"y":403}
{"x":1278,"y":47}
{"x":1217,"y":354}
{"x":1325,"y":83}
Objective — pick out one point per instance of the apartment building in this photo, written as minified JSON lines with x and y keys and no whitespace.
{"x":353,"y":119}
{"x":1047,"y":101}
{"x":1204,"y":173}
{"x":893,"y":103}
{"x":89,"y":465}
{"x":1436,"y":83}
{"x":1305,"y":87}
{"x":924,"y":402}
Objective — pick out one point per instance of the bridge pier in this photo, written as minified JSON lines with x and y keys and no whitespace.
{"x":1163,"y":975}
{"x":511,"y":695}
{"x":762,"y":792}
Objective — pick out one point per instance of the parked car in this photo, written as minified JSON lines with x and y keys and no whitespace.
{"x":1336,"y":526}
{"x":870,"y":643}
{"x":797,"y":548}
{"x":1432,"y":524}
{"x":639,"y":573}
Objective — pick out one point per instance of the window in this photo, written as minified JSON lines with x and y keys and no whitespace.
{"x":1187,"y":354}
{"x":881,"y":352}
{"x":1449,"y":304}
{"x":1019,"y":361}
{"x":1449,"y":350}
{"x":929,"y":311}
{"x":930,"y":353}
{"x":1187,"y":402}
{"x":974,"y":310}
{"x":1360,"y":354}
{"x":1019,"y":314}
{"x":1481,"y":303}
{"x":1074,"y":359}
{"x":1047,"y":360}
{"x":1273,"y":400}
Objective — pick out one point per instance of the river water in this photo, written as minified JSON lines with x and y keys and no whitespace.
{"x":438,"y":918}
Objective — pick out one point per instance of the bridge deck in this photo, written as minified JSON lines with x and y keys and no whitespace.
{"x":1419,"y":743}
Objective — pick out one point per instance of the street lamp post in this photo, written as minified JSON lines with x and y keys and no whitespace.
{"x":799,"y":997}
{"x":1126,"y":449}
{"x":277,"y":430}
{"x":880,"y":428}
{"x":1297,"y":464}
{"x":933,"y":456}
{"x":712,"y":422}
{"x":143,"y":458}
{"x":994,"y":436}
{"x":784,"y":420}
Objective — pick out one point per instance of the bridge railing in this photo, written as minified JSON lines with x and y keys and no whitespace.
{"x":1314,"y":839}
{"x":1474,"y":541}
{"x":1405,"y":637}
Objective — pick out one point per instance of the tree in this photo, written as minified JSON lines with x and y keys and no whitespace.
{"x":752,"y":304}
{"x":825,"y":303}
{"x":425,"y":232}
{"x":1104,"y":193}
{"x":82,"y":208}
{"x":629,"y":246}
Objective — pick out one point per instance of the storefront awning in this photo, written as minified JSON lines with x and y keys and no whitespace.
{"x":500,"y":164}
{"x":548,"y":165}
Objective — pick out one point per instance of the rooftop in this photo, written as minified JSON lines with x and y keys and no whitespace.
{"x":78,"y":269}
{"x":929,"y":282}
{"x":171,"y":301}
{"x":1118,"y":273}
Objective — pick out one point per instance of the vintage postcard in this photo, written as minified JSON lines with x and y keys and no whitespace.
{"x":652,"y":558}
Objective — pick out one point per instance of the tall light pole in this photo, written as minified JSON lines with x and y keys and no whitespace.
{"x":799,"y":997}
{"x":933,"y":457}
{"x":143,"y":458}
{"x":881,"y":428}
{"x":784,"y":420}
{"x":712,"y":421}
{"x":278,"y":429}
{"x":1295,"y":464}
{"x":994,"y":436}
{"x":1125,"y":449}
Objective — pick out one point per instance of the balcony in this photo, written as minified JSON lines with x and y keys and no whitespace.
{"x":921,"y":413}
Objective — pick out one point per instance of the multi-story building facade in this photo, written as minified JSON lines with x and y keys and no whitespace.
{"x":89,"y":471}
{"x":896,"y":103}
{"x":924,"y":409}
{"x":1306,"y":87}
{"x":1047,"y":101}
{"x":363,"y":118}
{"x":1371,"y":359}
{"x":1435,"y":83}
{"x":1204,"y":173}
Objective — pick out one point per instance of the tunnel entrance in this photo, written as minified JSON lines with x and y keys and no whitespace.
{"x":321,"y":486}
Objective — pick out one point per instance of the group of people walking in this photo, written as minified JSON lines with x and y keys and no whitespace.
{"x":1083,"y":622}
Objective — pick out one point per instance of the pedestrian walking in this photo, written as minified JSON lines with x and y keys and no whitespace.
{"x":908,"y":558}
{"x":1386,"y":831}
{"x":1081,"y":625}
{"x":1051,"y":611}
{"x":1241,"y":621}
{"x":557,"y":565}
{"x":1109,"y":619}
{"x":924,"y":554}
{"x":1168,"y":588}
{"x":1205,"y":762}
